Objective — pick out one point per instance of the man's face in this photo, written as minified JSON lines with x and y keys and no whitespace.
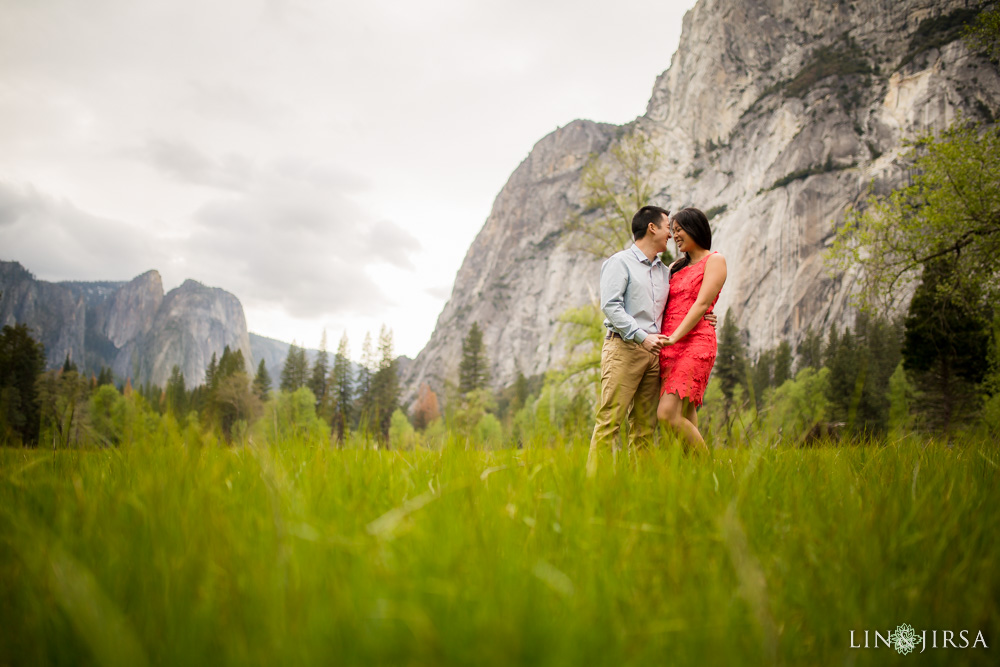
{"x":661,"y":234}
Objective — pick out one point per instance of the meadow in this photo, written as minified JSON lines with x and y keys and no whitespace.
{"x":178,"y":551}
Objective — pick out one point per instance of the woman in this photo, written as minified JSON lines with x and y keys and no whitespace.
{"x":687,"y":358}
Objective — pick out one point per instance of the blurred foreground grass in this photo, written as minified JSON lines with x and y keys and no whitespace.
{"x":302,"y":554}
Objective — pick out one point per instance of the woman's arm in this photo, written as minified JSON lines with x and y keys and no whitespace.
{"x":711,"y":285}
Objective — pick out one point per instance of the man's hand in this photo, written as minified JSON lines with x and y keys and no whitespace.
{"x":653,"y":343}
{"x":712,"y":319}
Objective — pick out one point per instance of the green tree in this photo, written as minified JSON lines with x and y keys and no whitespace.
{"x":177,"y":400}
{"x":230,"y":398}
{"x":210,"y":370}
{"x":800,"y":407}
{"x":106,"y":409}
{"x":731,"y":359}
{"x":341,"y":392}
{"x":364,"y":398}
{"x":950,"y":211}
{"x":318,"y":380}
{"x":62,"y":399}
{"x":262,"y":382}
{"x":296,"y":370}
{"x":616,"y":184}
{"x":292,"y":417}
{"x":879,"y":343}
{"x":946,"y":346}
{"x":901,"y":396}
{"x":762,"y":376}
{"x":105,"y":376}
{"x":782,"y":364}
{"x":385,"y":383}
{"x":984,"y":34}
{"x":843,"y":390}
{"x":810,"y":351}
{"x":402,"y":435}
{"x":22,"y":360}
{"x":473,"y":369}
{"x":584,"y":332}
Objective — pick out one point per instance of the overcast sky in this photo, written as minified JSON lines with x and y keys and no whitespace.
{"x":329,"y":163}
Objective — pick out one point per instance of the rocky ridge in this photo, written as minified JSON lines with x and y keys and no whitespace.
{"x":775,"y":117}
{"x":132,"y":327}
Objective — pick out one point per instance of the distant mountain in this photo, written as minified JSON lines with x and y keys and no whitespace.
{"x":274,"y":352}
{"x":137,"y":330}
{"x":132,"y":327}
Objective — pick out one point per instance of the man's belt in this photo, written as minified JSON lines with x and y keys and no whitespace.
{"x":614,"y":334}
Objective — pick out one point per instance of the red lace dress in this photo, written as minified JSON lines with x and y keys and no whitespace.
{"x":685,"y":367}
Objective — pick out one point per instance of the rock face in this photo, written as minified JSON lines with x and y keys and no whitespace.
{"x":129,"y":311}
{"x":132,"y":327}
{"x":191,"y":324}
{"x":56,"y":314}
{"x":776,"y":116}
{"x":520,"y":274}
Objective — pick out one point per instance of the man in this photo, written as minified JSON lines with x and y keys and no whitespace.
{"x":635,"y":285}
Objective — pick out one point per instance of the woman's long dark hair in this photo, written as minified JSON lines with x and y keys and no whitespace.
{"x":695,"y":223}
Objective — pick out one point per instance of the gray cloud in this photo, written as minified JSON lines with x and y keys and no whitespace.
{"x":441,"y":292}
{"x":300,"y":245}
{"x":185,"y":163}
{"x":289,"y":245}
{"x":58,"y":241}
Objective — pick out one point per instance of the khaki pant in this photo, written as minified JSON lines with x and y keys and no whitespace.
{"x":630,"y":385}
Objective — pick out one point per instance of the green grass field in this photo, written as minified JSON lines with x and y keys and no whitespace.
{"x":167,"y":554}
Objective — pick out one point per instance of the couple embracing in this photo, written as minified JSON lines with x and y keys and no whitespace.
{"x":660,"y":343}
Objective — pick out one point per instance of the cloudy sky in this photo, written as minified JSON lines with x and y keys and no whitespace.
{"x":329,"y":163}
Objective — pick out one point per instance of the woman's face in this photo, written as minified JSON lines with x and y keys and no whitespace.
{"x":681,"y":238}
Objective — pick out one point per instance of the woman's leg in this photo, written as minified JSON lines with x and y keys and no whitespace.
{"x":671,"y":410}
{"x":691,"y":413}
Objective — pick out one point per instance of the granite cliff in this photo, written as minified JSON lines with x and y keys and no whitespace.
{"x":776,"y":116}
{"x":132,"y":327}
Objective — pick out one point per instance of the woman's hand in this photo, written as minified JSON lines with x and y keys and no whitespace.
{"x":669,"y":340}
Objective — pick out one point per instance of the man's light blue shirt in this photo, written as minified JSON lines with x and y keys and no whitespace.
{"x":634,"y":292}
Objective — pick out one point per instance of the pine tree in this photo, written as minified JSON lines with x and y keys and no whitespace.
{"x":296,"y":369}
{"x":385,"y":383}
{"x":262,"y":382}
{"x":782,"y":363}
{"x":848,"y":369}
{"x":762,"y":376}
{"x":731,"y":359}
{"x":879,"y":352}
{"x":176,"y":394}
{"x":317,"y":381}
{"x":68,"y":366}
{"x":364,"y":398}
{"x":210,"y":372}
{"x":946,"y":345}
{"x":341,"y":390}
{"x":810,"y":350}
{"x":473,"y":370}
{"x":22,"y":360}
{"x":105,"y":376}
{"x":230,"y":398}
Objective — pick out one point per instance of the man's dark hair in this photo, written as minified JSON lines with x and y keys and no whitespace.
{"x":645,"y":215}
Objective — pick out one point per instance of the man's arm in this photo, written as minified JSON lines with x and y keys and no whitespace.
{"x":614,"y":280}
